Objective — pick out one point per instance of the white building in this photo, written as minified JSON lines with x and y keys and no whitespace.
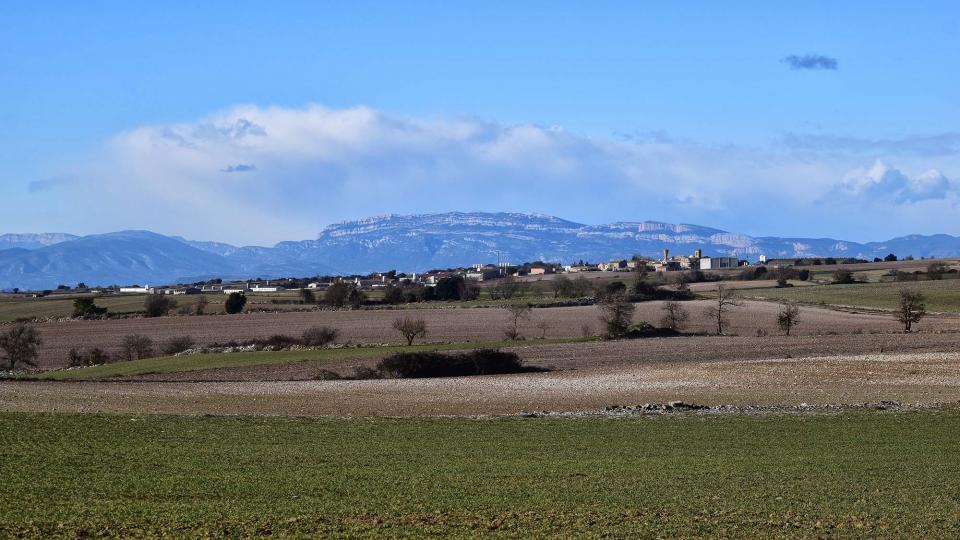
{"x":146,"y":289}
{"x":266,"y":288}
{"x":718,"y":263}
{"x":235,"y":289}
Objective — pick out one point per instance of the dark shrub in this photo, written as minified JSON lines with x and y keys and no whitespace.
{"x":327,"y":375}
{"x":905,"y":276}
{"x":337,"y":294}
{"x":86,"y":308}
{"x":434,"y":364}
{"x":318,"y":336}
{"x":277,"y":341}
{"x":364,"y":372}
{"x":90,"y":357}
{"x":843,"y":276}
{"x":455,"y":288}
{"x":176,"y":345}
{"x":646,"y":330}
{"x":234,"y":303}
{"x":393,"y":295}
{"x":19,"y":345}
{"x":615,"y":287}
{"x":158,"y":305}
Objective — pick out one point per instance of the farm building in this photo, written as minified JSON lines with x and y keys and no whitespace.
{"x":146,"y":289}
{"x":717,"y":263}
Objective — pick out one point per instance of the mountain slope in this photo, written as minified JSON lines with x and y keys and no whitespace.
{"x":413,"y":244}
{"x":33,"y":240}
{"x":116,"y":258}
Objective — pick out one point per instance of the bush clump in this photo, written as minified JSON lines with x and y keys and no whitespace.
{"x":176,"y":345}
{"x":158,"y":305}
{"x":415,"y":365}
{"x":137,"y":347}
{"x":90,"y":357}
{"x":644,"y":329}
{"x":319,"y":336}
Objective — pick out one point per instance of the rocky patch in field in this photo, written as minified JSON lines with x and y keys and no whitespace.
{"x":680,"y":407}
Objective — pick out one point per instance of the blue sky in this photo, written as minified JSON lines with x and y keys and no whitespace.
{"x":595,"y":112}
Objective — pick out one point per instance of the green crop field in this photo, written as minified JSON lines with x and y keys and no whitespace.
{"x":877,"y":474}
{"x":197,"y":362}
{"x":942,"y":296}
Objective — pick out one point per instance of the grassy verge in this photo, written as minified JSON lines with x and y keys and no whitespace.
{"x":197,"y":362}
{"x":846,"y":475}
{"x":942,"y":296}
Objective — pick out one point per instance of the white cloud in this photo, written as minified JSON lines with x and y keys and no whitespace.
{"x":883,"y":184}
{"x":303,"y":168}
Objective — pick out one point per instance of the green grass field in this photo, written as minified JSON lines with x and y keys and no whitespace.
{"x":197,"y":362}
{"x":942,"y":296}
{"x":845,"y":475}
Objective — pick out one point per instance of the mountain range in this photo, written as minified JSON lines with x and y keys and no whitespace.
{"x":405,"y":243}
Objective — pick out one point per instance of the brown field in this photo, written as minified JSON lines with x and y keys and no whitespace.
{"x":444,"y":325}
{"x":618,"y":355}
{"x":921,"y":378}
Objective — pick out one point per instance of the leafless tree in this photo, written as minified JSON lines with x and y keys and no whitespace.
{"x":410,"y":328}
{"x":560,"y":285}
{"x":518,"y":314}
{"x":788,"y":317}
{"x":19,"y":345}
{"x":201,"y":306}
{"x":725,"y":301}
{"x":506,"y":288}
{"x":911,"y":307}
{"x":136,"y":346}
{"x":675,"y":316}
{"x":616,"y":313}
{"x":543,"y":326}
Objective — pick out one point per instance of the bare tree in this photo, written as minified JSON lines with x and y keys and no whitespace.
{"x":507,"y":287}
{"x":911,"y":307}
{"x":201,"y":306}
{"x":788,"y":317}
{"x":675,"y":316}
{"x":560,"y":285}
{"x":518,"y":314}
{"x":410,"y":328}
{"x":616,"y":314}
{"x":19,"y":345}
{"x":136,"y":347}
{"x":543,"y":326}
{"x":640,"y":284}
{"x":726,"y":300}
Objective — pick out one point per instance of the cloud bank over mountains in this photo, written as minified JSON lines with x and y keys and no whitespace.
{"x":294,"y":170}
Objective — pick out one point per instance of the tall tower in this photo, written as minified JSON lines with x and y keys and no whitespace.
{"x":666,"y":255}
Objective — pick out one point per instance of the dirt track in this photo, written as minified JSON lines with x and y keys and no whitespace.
{"x":444,"y":325}
{"x":917,"y":377}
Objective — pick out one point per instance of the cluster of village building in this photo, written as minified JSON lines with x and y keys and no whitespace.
{"x":479,"y":272}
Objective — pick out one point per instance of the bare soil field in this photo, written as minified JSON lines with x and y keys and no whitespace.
{"x":632,"y":354}
{"x":923,"y":378}
{"x":756,"y":284}
{"x":444,"y":325}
